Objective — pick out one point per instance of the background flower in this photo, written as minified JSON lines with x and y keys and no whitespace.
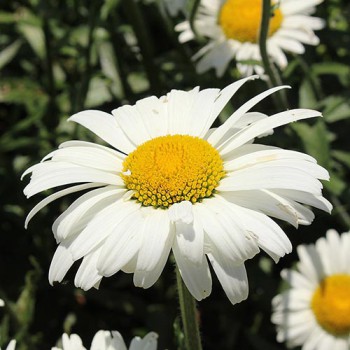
{"x":109,"y":340}
{"x":314,"y":312}
{"x":232,"y":27}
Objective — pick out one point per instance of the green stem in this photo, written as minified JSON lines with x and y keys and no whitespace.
{"x":270,"y":70}
{"x":193,"y":13}
{"x":188,"y":315}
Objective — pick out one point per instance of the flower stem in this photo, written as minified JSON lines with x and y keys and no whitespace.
{"x":188,"y":315}
{"x":270,"y":70}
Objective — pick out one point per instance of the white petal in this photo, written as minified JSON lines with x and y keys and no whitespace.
{"x":265,"y":125}
{"x":60,"y":263}
{"x":86,"y":144}
{"x":196,"y":277}
{"x":91,"y":157}
{"x":11,"y":345}
{"x":132,"y":124}
{"x":106,"y":127}
{"x":190,"y":240}
{"x":266,"y":177}
{"x":264,"y":230}
{"x":122,"y":245}
{"x":52,"y":174}
{"x":297,"y":280}
{"x":263,"y":156}
{"x":293,"y":300}
{"x":101,"y":226}
{"x":55,"y":196}
{"x":108,"y":340}
{"x":155,"y":233}
{"x":87,"y":275}
{"x":82,"y":210}
{"x":310,"y":263}
{"x":233,"y":278}
{"x":225,"y":231}
{"x":216,"y":136}
{"x":181,"y":212}
{"x":224,"y":96}
{"x":271,"y":204}
{"x":149,"y":342}
{"x":218,"y":57}
{"x":72,"y":342}
{"x":316,"y":201}
{"x":154,"y":112}
{"x":179,"y":106}
{"x":201,"y":111}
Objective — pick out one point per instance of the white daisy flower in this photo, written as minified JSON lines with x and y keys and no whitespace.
{"x":315,"y":311}
{"x":232,"y":27}
{"x":11,"y":345}
{"x":173,"y":184}
{"x":106,"y":340}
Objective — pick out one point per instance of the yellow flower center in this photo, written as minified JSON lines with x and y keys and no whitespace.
{"x":331,"y":304}
{"x":240,"y":20}
{"x":171,"y":169}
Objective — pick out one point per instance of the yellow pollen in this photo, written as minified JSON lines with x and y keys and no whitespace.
{"x":171,"y":169}
{"x":240,"y":20}
{"x":331,"y":304}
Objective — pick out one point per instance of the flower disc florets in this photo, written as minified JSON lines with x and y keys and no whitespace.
{"x":331,"y":304}
{"x":240,"y":20}
{"x":171,"y":169}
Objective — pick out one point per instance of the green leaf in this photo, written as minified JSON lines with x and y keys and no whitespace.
{"x":6,"y":17}
{"x":108,"y":7}
{"x":335,"y":185}
{"x":307,"y":97}
{"x":342,"y":156}
{"x":7,"y":54}
{"x":109,"y":66}
{"x":315,"y":140}
{"x":35,"y":37}
{"x":342,"y":71}
{"x":98,"y":93}
{"x":335,"y":108}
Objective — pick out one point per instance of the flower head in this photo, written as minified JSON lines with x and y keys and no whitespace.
{"x":232,"y":27}
{"x":106,"y":340}
{"x":172,"y":183}
{"x":315,"y":311}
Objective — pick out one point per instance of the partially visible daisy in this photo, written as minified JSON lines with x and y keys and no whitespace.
{"x":174,"y":184}
{"x":315,"y":311}
{"x":11,"y":345}
{"x":109,"y":340}
{"x":2,"y":303}
{"x":232,"y":27}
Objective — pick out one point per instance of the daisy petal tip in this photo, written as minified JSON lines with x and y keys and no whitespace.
{"x":181,"y":211}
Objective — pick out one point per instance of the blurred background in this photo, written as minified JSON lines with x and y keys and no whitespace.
{"x":61,"y":57}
